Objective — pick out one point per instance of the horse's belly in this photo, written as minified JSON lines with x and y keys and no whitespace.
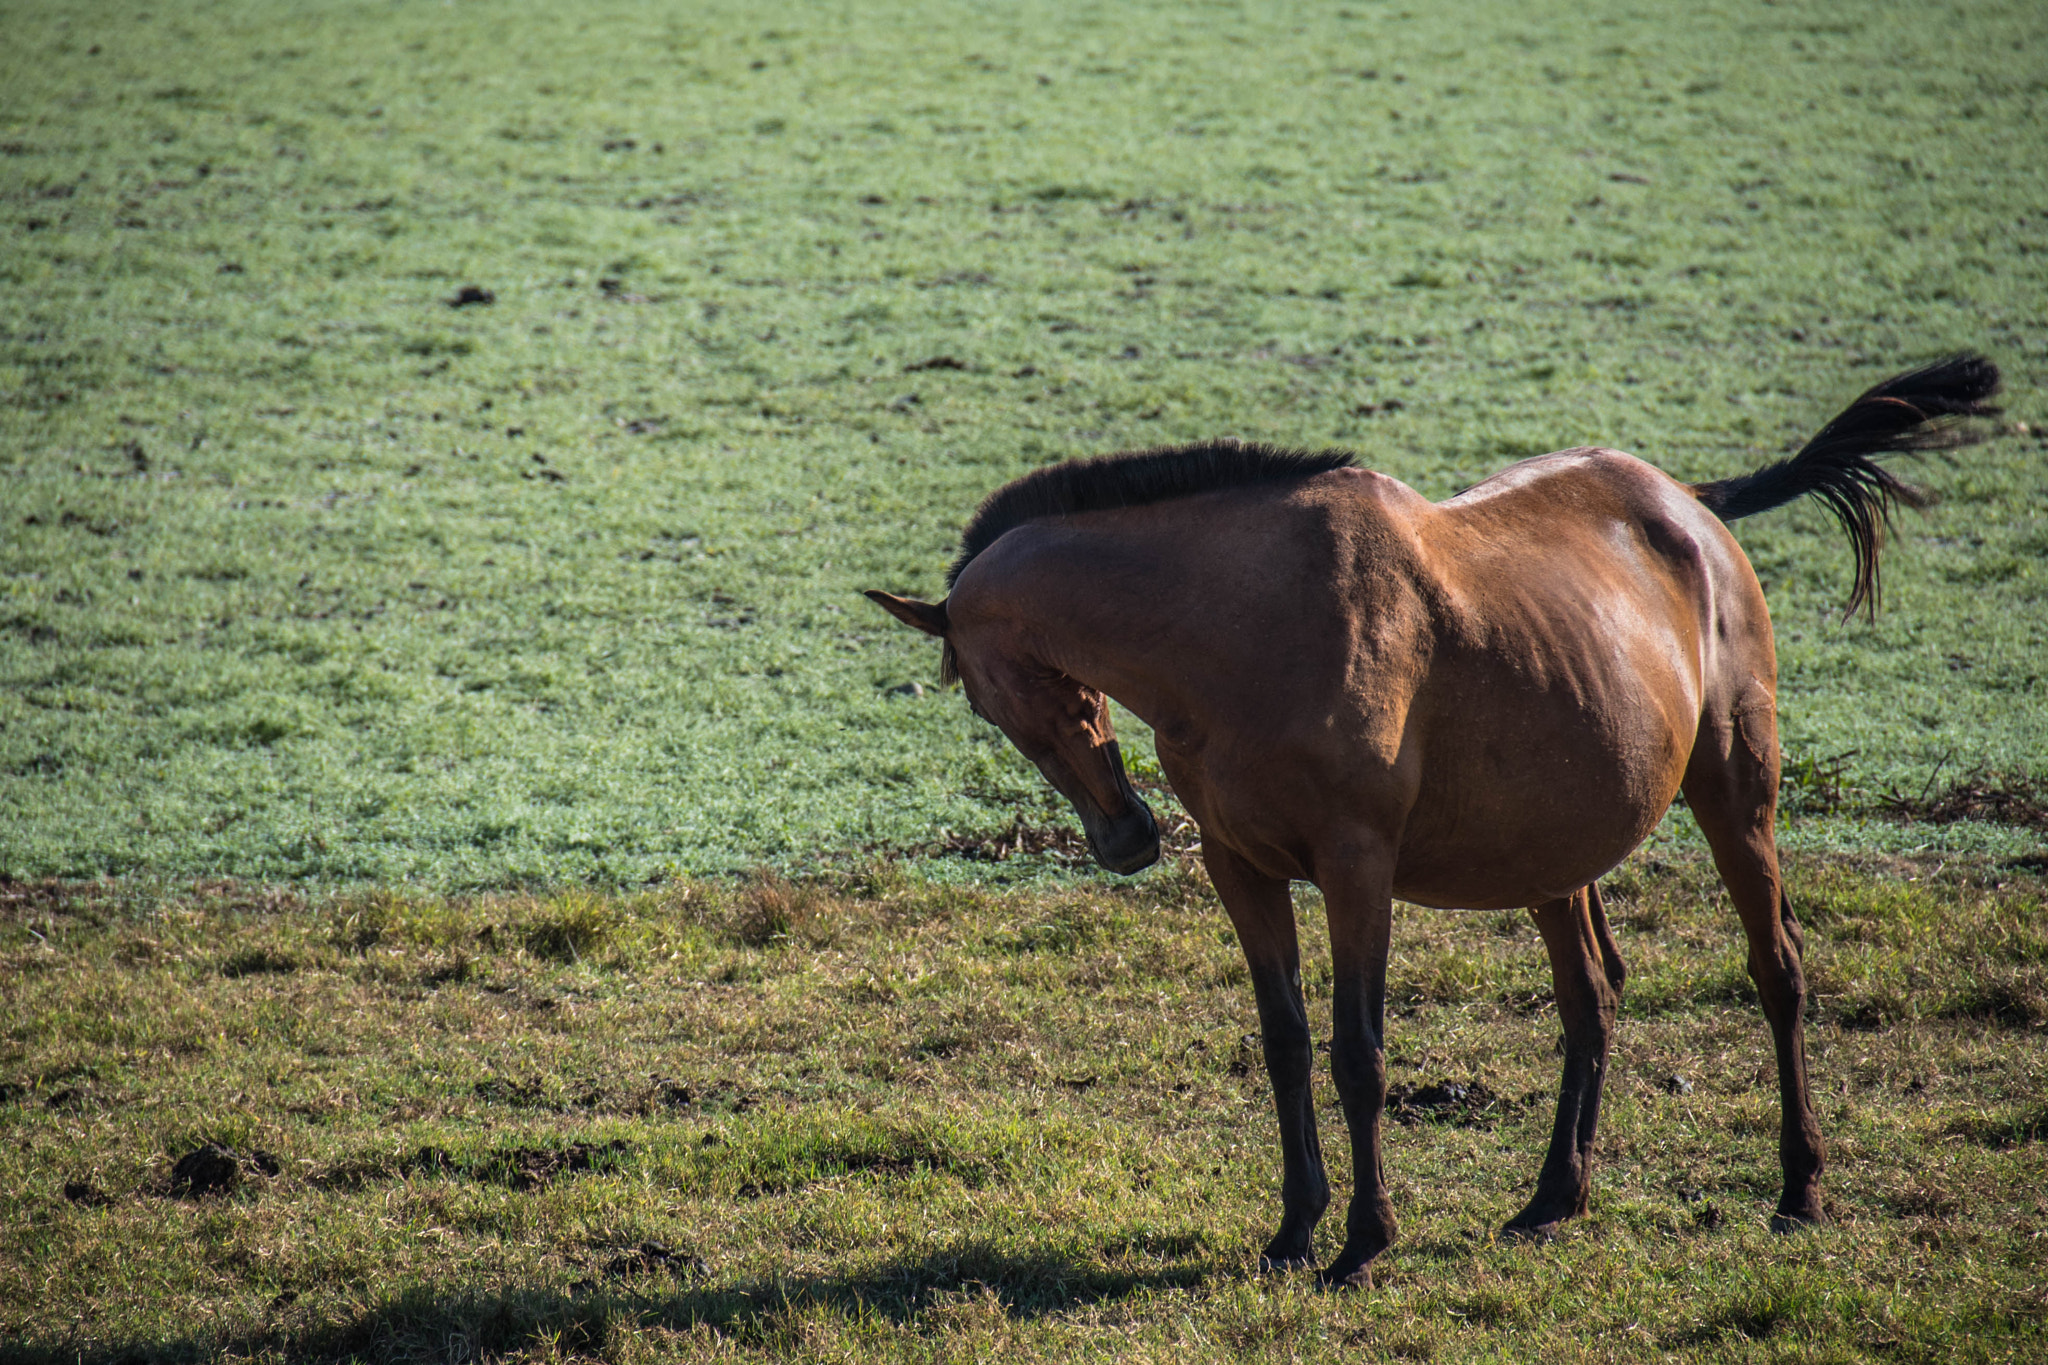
{"x":1504,"y":874}
{"x":1509,"y":842}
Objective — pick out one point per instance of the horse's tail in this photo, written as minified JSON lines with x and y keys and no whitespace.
{"x":1919,"y":410}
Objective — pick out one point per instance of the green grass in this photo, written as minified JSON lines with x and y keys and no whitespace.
{"x":887,"y":1119}
{"x":307,"y":575}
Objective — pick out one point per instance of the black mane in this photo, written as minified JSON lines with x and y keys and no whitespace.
{"x":1135,"y":478}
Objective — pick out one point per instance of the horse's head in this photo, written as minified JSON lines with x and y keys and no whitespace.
{"x":1060,"y":725}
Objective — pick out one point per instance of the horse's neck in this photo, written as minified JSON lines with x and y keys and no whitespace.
{"x":1120,"y":645}
{"x":1161,"y":608}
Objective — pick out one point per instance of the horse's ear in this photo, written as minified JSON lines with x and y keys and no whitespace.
{"x":929,"y":617}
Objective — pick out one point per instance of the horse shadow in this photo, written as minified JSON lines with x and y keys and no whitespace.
{"x":439,"y":1320}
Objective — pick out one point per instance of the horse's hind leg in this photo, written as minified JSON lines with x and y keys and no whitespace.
{"x":1732,"y":787}
{"x":1587,"y":972}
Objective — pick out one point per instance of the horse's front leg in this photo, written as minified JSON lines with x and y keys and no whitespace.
{"x":1262,"y":912}
{"x":1358,"y":892}
{"x":1587,"y":973}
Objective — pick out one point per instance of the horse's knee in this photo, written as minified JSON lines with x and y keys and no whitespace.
{"x":1289,"y":1054}
{"x":1284,"y":1032}
{"x":1601,"y":1025}
{"x":1359,"y":1070}
{"x":1588,"y":1009}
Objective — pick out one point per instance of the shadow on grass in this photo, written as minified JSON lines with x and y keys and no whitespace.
{"x":445,"y":1322}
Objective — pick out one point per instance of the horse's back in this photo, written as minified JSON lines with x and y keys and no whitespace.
{"x":1588,"y":614}
{"x":1597,"y":528}
{"x":1587,"y":490}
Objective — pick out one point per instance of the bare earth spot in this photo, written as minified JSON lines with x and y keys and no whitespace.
{"x":217,"y":1169}
{"x":1466,"y":1104}
{"x":86,"y":1193}
{"x":652,"y":1258}
{"x":533,"y":1167}
{"x":2001,"y":798}
{"x":720,"y":1097}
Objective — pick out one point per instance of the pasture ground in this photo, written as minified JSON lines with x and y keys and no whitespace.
{"x":398,"y":688}
{"x":889,"y":1120}
{"x":308,"y":574}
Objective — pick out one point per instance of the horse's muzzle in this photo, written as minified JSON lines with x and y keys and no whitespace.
{"x":1124,"y":843}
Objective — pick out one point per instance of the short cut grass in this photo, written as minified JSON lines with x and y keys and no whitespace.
{"x":444,"y":446}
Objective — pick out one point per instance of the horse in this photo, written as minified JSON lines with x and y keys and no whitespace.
{"x":1483,"y":703}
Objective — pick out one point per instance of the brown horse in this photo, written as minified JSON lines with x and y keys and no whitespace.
{"x":1485,"y":702}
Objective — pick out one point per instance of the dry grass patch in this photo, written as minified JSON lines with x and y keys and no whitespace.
{"x":880,"y":1119}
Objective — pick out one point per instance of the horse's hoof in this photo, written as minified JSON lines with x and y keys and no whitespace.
{"x":1285,"y":1253}
{"x":1292,"y":1247}
{"x":1353,"y":1267}
{"x":1782,"y":1222}
{"x":1271,"y":1264}
{"x":1524,"y":1231}
{"x":1543,"y":1217}
{"x":1337,"y":1277}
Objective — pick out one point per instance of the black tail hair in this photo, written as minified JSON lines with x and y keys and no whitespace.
{"x":1921,"y":409}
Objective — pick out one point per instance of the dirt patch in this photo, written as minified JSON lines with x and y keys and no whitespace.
{"x":20,"y":901}
{"x":652,"y":1258}
{"x":356,"y":1172}
{"x":258,"y":962}
{"x":2016,"y":1002}
{"x":771,"y":909}
{"x":665,"y":1093}
{"x":532,"y":1168}
{"x":534,"y":1092}
{"x":1463,"y":1104}
{"x":2011,"y":1128}
{"x":890,"y":1165}
{"x":519,"y":1168}
{"x":86,"y":1194}
{"x":1998,"y":798}
{"x":97,"y":900}
{"x":530,"y":1093}
{"x":214,"y":1168}
{"x":1063,"y":845}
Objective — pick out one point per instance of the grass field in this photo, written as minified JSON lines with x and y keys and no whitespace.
{"x":441,"y":446}
{"x":309,"y":574}
{"x":897,"y":1121}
